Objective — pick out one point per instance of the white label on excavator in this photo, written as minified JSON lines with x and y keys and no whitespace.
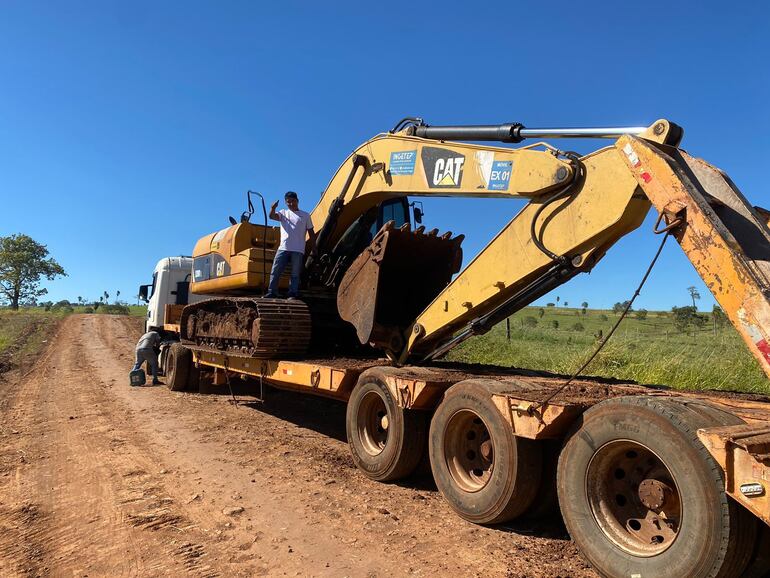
{"x":632,"y":156}
{"x":484,"y":160}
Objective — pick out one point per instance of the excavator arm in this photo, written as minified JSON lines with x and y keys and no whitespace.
{"x":579,"y":207}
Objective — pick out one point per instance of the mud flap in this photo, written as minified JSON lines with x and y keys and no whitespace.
{"x":394,"y":279}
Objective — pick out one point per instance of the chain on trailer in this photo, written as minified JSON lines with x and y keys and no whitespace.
{"x":234,"y":400}
{"x":666,"y":231}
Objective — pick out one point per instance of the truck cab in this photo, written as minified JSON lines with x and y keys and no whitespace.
{"x":170,"y":286}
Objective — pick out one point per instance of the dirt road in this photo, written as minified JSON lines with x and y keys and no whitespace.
{"x":101,"y":479}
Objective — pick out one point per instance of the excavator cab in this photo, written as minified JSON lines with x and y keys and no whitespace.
{"x":396,"y":276}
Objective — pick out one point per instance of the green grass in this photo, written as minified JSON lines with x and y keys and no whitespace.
{"x":649,"y":351}
{"x":23,"y":334}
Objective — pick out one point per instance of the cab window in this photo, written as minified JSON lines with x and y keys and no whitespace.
{"x":393,"y":210}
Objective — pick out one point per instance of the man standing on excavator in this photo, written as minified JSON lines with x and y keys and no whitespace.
{"x":295,"y":224}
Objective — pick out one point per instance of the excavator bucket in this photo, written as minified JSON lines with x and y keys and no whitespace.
{"x":725,"y":238}
{"x":394,"y":279}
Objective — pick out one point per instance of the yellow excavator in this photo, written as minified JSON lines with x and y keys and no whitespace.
{"x":649,"y":482}
{"x":396,"y":287}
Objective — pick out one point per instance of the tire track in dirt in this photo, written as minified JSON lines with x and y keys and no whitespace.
{"x":144,"y":481}
{"x":65,"y":502}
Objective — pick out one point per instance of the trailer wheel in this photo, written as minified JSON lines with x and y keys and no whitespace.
{"x":179,"y":367}
{"x":485,"y":473}
{"x":641,"y":495}
{"x":386,"y":441}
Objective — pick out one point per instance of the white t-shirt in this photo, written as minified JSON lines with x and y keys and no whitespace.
{"x":294,"y":227}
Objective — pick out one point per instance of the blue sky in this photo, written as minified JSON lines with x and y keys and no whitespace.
{"x":129,"y":130}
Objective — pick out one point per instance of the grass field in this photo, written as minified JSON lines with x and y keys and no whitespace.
{"x":23,"y":334}
{"x":649,"y":351}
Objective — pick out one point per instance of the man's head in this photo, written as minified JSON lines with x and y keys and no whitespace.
{"x":292,"y":201}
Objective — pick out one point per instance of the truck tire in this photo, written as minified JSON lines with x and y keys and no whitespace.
{"x":485,"y":473}
{"x":641,"y":495}
{"x":386,"y":441}
{"x":179,"y":365}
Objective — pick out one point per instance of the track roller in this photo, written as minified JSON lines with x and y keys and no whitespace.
{"x":641,"y":495}
{"x":486,"y":474}
{"x":386,"y":440}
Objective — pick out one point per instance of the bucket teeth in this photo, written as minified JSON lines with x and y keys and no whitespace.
{"x":446,"y":236}
{"x":419,"y":230}
{"x":459,"y":239}
{"x":406,"y":227}
{"x":432,"y":232}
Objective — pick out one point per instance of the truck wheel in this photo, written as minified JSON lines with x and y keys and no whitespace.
{"x":485,"y":473}
{"x":386,"y":441}
{"x":641,"y":495}
{"x":179,"y":366}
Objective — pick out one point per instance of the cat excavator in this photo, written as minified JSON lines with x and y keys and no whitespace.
{"x":649,"y":482}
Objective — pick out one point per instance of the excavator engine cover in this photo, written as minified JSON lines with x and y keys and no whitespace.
{"x":394,"y":279}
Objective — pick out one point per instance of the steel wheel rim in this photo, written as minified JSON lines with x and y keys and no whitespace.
{"x":373,"y":423}
{"x":634,"y":498}
{"x":468,"y":451}
{"x":171,"y":362}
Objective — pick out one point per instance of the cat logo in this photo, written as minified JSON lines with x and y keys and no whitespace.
{"x":443,"y":168}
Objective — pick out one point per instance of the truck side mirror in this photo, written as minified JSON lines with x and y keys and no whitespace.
{"x":143,"y":292}
{"x":417,"y":215}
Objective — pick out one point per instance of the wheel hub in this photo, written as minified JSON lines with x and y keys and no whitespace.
{"x":373,"y":423}
{"x":634,"y":498}
{"x":653,"y":493}
{"x":468,"y":451}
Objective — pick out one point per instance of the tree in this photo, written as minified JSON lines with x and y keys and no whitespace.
{"x":540,"y":312}
{"x":557,"y":299}
{"x":718,"y":316}
{"x":23,"y":262}
{"x":584,"y":304}
{"x":641,"y":315}
{"x":117,"y":294}
{"x":566,"y":304}
{"x":685,"y":317}
{"x":693,"y":294}
{"x":618,"y":308}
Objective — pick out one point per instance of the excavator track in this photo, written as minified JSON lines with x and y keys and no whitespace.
{"x":243,"y":326}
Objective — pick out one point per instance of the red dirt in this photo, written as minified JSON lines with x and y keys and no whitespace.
{"x":101,"y":479}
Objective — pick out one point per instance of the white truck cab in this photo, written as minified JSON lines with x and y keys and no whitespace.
{"x":170,"y":286}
